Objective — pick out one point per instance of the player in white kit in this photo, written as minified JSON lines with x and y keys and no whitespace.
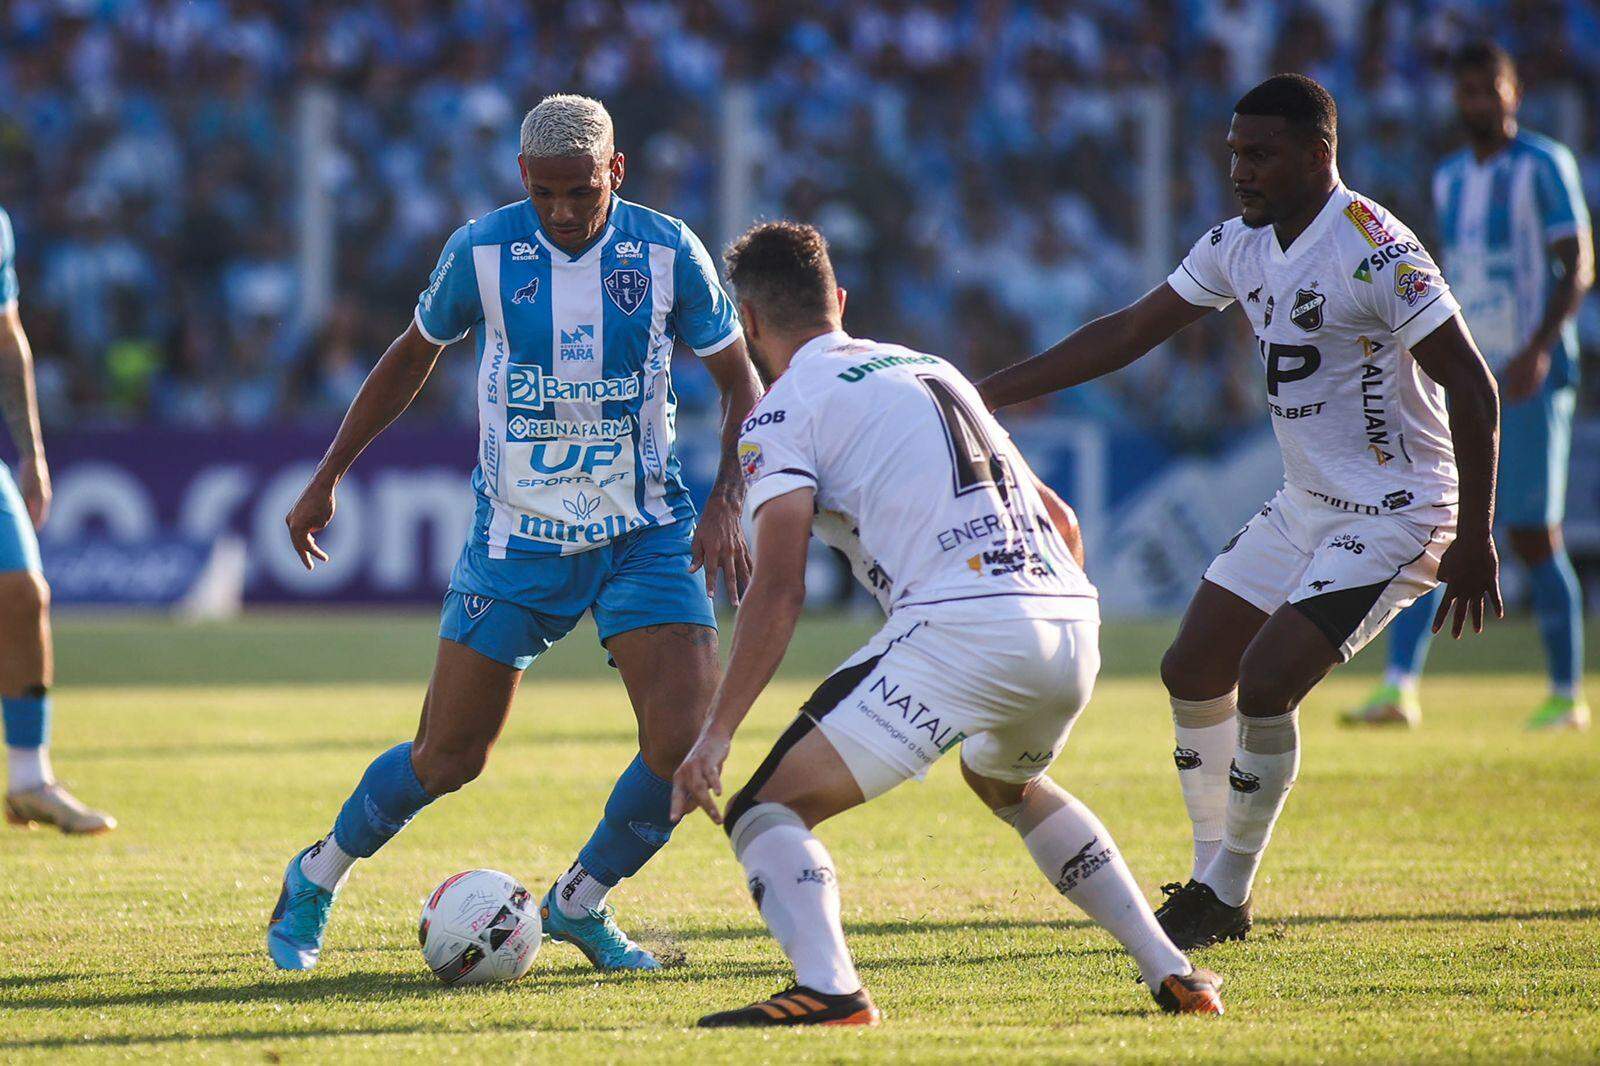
{"x":1386,"y":491}
{"x":991,"y":643}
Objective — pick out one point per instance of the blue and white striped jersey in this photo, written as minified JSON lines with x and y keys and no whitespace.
{"x":575,"y":402}
{"x":1497,"y":219}
{"x":8,"y":261}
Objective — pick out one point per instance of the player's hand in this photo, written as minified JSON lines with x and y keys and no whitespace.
{"x":699,"y":777}
{"x":1470,"y":573}
{"x":1525,"y":374}
{"x":719,"y":548}
{"x":33,"y":481}
{"x":309,"y":515}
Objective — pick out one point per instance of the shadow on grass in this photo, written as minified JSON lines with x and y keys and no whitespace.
{"x":624,"y":732}
{"x":914,"y":925}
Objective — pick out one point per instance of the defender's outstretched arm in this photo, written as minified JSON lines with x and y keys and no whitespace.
{"x":389,"y":389}
{"x":1094,"y":349}
{"x":1469,"y":568}
{"x":761,"y":636}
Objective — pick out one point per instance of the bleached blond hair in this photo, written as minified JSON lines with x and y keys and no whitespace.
{"x":566,"y":125}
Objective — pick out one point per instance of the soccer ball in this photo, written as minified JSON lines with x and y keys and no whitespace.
{"x":479,"y":927}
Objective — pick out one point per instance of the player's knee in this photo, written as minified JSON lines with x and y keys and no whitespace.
{"x":26,"y":597}
{"x":1188,"y":673}
{"x":447,"y":767}
{"x":998,"y":796}
{"x":1265,"y":692}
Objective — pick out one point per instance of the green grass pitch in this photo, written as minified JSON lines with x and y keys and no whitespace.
{"x":1429,"y":896}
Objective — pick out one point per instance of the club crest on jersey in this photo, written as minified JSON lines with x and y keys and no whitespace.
{"x":527,"y":294}
{"x":1411,"y":283}
{"x":627,"y":288}
{"x":750,"y":460}
{"x":1307,"y":310}
{"x":476,"y":606}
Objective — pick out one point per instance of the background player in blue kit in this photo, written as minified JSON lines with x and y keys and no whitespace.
{"x":33,"y":795}
{"x":578,"y":298}
{"x":1515,"y":237}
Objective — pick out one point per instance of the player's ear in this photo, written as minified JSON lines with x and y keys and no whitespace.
{"x":618,"y":170}
{"x":841,"y":295}
{"x":749,"y":320}
{"x":522,"y":167}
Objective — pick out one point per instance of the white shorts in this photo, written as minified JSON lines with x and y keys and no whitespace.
{"x":1006,"y":690}
{"x":1348,"y":572}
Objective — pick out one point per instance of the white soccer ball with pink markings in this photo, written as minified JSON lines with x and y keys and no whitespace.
{"x":478,"y":928}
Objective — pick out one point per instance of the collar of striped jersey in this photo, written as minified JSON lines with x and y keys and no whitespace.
{"x":1338,"y":200}
{"x":820,"y":343}
{"x":561,"y":255}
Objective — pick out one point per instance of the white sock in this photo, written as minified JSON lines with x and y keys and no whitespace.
{"x":326,"y":865}
{"x":1079,"y":857}
{"x":1264,"y":769}
{"x":1206,"y":736}
{"x":28,"y":768}
{"x":792,"y":880}
{"x":577,"y":892}
{"x":1402,"y":679}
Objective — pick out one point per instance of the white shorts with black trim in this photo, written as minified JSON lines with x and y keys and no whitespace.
{"x":1006,"y":690}
{"x":1348,"y":572}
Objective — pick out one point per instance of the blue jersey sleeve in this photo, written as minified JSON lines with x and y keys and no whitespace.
{"x":1560,"y":194}
{"x":449,"y":307}
{"x":8,"y":262}
{"x":705,"y":315}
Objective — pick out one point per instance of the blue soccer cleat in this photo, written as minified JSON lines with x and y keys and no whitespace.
{"x":596,"y":935}
{"x":294,"y":933}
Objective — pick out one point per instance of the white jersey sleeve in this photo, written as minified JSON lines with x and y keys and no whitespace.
{"x":1202,"y":277}
{"x":1409,"y":296}
{"x":776,"y":453}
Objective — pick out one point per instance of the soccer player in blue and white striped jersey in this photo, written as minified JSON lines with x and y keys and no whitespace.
{"x":577,"y":298}
{"x":1515,"y":236}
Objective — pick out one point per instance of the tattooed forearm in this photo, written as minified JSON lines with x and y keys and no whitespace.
{"x":18,"y":405}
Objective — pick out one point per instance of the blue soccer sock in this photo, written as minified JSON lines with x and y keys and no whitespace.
{"x":389,"y":795}
{"x":1558,"y":608}
{"x":637,"y":824}
{"x":27,"y":736}
{"x":1410,"y":634}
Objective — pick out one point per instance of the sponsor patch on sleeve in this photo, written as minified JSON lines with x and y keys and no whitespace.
{"x":750,"y":460}
{"x":1367,"y":222}
{"x":1411,"y":283}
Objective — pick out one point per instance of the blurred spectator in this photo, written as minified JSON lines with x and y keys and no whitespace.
{"x":975,"y":163}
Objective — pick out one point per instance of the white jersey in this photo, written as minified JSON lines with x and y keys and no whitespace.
{"x":915,"y":481}
{"x":1361,"y":427}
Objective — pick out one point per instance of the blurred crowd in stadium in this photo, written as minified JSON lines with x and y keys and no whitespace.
{"x":970,"y":159}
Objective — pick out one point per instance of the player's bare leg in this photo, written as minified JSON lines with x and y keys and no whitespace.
{"x":1201,"y":674}
{"x":792,"y":879}
{"x":670,"y":672}
{"x":1287,"y":658}
{"x":33,"y":796}
{"x":463,"y":713}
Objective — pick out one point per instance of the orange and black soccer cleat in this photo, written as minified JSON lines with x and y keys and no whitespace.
{"x":799,"y":1005}
{"x":1196,"y":992}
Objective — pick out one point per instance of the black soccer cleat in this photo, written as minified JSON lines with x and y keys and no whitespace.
{"x":1193,"y":917}
{"x":1196,"y":992}
{"x":799,"y":1005}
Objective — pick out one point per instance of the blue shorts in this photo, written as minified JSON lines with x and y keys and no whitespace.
{"x":512,"y":609}
{"x":19,"y":547}
{"x":1535,"y":444}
